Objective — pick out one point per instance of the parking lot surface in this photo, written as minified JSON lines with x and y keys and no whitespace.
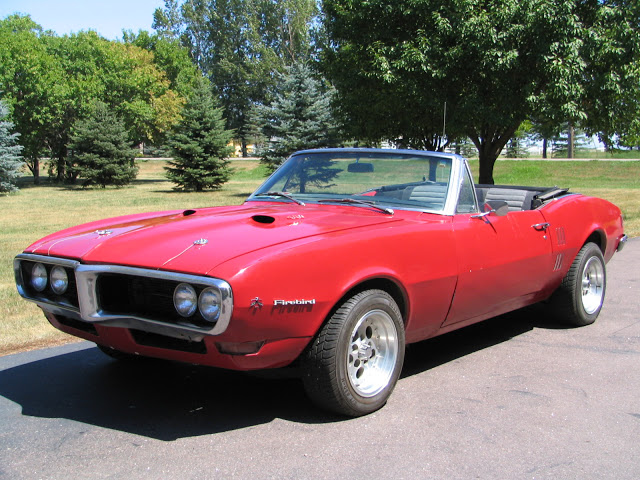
{"x":514,"y":397}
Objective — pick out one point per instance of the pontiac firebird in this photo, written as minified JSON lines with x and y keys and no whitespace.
{"x":340,"y":259}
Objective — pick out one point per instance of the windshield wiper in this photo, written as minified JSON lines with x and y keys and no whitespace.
{"x":355,"y":201}
{"x":281,"y":194}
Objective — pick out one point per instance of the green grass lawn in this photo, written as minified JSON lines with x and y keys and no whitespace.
{"x":37,"y":211}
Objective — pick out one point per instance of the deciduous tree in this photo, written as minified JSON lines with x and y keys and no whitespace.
{"x":495,"y":64}
{"x":51,"y":81}
{"x":240,"y":45}
{"x":31,"y":82}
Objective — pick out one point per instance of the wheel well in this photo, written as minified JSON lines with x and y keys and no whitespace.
{"x":599,"y":239}
{"x":389,"y":286}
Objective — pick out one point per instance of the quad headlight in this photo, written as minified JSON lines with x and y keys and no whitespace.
{"x":59,"y":280}
{"x":39,"y":277}
{"x":185,"y":299}
{"x":209,"y":304}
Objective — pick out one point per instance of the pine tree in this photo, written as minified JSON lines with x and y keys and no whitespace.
{"x":200,"y":144}
{"x":100,"y":149}
{"x":299,"y":117}
{"x":10,"y":159}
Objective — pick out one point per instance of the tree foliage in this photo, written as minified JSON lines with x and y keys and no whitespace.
{"x":612,"y":65}
{"x":10,"y":158}
{"x":495,"y":64}
{"x":298,"y":118}
{"x":50,"y":82}
{"x":240,"y":45}
{"x":30,"y":84}
{"x":200,"y":144}
{"x":100,"y":149}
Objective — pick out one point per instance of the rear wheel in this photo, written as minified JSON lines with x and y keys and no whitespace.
{"x":355,"y":360}
{"x":580,"y":297}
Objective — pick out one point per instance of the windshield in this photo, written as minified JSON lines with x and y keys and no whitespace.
{"x":381,"y":178}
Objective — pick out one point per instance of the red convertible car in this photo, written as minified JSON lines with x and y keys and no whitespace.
{"x":340,"y":259}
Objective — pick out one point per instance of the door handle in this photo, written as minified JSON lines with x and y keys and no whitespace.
{"x":541,"y":227}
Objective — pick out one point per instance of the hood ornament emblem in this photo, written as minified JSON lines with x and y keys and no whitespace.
{"x":103,"y":232}
{"x":202,"y":241}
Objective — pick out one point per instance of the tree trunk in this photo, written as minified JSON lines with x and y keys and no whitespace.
{"x":36,"y":171}
{"x":486,"y":169}
{"x":489,"y":145}
{"x":544,"y":148}
{"x":60,"y":167}
{"x":570,"y":142}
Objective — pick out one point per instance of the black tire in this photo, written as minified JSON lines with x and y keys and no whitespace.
{"x":118,"y":355}
{"x":579,"y":298}
{"x":354,"y":362}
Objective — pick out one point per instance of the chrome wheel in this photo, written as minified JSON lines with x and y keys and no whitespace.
{"x":592,"y":285}
{"x":579,"y":298}
{"x":373,"y":353}
{"x":355,"y":359}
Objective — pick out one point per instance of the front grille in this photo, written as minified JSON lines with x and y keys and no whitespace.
{"x":121,"y":296}
{"x":69,"y":298}
{"x":143,"y":297}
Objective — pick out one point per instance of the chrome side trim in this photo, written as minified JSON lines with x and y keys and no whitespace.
{"x":90,"y":311}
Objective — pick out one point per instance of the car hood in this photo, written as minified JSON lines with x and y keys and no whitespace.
{"x":195,"y":241}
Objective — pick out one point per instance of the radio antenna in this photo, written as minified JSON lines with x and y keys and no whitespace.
{"x":444,"y":121}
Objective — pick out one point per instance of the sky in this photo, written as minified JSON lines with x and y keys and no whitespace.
{"x":107,"y":17}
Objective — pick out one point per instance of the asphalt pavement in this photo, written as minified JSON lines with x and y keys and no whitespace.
{"x":516,"y":397}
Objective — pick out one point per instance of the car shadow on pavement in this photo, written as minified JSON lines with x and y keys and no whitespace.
{"x":167,"y":401}
{"x":428,"y":354}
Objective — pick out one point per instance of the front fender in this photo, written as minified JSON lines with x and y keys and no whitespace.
{"x":289,"y":290}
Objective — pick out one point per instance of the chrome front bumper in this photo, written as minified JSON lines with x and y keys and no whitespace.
{"x":87,"y":307}
{"x":621,"y":243}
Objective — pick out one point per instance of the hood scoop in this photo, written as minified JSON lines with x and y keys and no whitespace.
{"x":263,"y":219}
{"x":186,"y":213}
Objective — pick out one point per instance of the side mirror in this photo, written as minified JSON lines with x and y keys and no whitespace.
{"x":498,"y":207}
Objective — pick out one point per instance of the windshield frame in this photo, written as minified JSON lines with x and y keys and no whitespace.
{"x":459,"y":168}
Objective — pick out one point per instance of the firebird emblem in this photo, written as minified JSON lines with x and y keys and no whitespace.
{"x":104,"y":232}
{"x":256,"y":303}
{"x":202,"y":241}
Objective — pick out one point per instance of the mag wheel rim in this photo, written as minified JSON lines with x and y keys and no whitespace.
{"x":592,"y":285}
{"x":373,"y":353}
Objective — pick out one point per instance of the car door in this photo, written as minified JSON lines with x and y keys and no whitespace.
{"x":503,"y":262}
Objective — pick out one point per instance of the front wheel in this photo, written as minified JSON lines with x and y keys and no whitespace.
{"x":579,"y":299}
{"x":355,"y":360}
